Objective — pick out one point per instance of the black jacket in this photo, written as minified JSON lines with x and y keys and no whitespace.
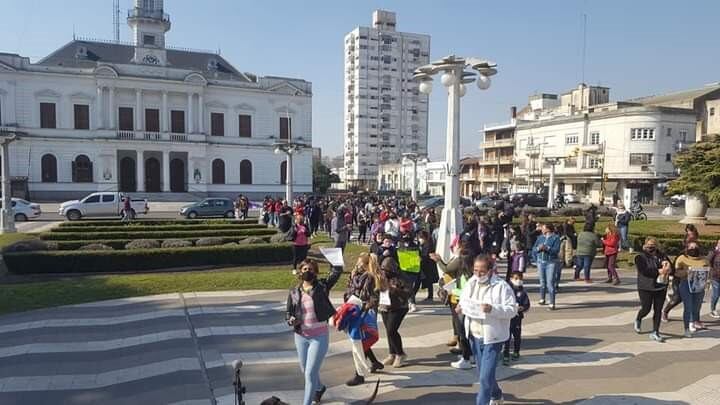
{"x":647,"y":268}
{"x":321,"y":299}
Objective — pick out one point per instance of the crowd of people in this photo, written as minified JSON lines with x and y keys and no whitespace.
{"x":486,"y":308}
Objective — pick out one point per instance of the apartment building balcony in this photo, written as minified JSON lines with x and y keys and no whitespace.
{"x":596,"y":148}
{"x":498,"y":143}
{"x":125,"y":135}
{"x":494,"y":161}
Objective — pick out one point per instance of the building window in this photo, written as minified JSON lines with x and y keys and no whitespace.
{"x":712,"y":111}
{"x":177,"y":121}
{"x":48,"y":168}
{"x":125,"y":119}
{"x":593,"y":163}
{"x":218,"y":171}
{"x":669,"y":132}
{"x":668,"y":157}
{"x":152,"y":120}
{"x":683,"y":135}
{"x":283,"y":172}
{"x":245,"y":124}
{"x":595,"y":138}
{"x":217,"y":124}
{"x":571,"y":139}
{"x":82,"y":170}
{"x":571,"y":162}
{"x":642,"y":134}
{"x":285,"y":123}
{"x":47,"y":115}
{"x":638,"y":159}
{"x":81,"y":113}
{"x":149,"y":40}
{"x":245,"y":172}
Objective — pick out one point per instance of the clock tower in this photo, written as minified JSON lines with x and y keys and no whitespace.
{"x":149,"y":24}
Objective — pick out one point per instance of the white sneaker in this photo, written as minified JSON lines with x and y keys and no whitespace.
{"x":692,"y":327}
{"x":461,"y":364}
{"x":413,"y":308}
{"x":500,"y":401}
{"x":715,"y":314}
{"x":294,"y":272}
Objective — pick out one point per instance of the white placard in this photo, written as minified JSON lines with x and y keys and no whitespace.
{"x":384,"y":298}
{"x":472,"y":309}
{"x":449,"y":286}
{"x":333,"y":255}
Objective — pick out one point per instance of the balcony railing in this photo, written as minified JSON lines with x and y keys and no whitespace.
{"x":498,"y":143}
{"x":125,"y":135}
{"x":152,"y":136}
{"x":138,"y":12}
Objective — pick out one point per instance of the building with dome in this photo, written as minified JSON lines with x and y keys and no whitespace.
{"x":142,"y":117}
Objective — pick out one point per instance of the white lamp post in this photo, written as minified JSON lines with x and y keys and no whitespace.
{"x":289,"y":148}
{"x":413,"y":157}
{"x":7,"y":216}
{"x":454,"y":78}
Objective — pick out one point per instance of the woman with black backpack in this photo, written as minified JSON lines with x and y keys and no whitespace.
{"x":393,"y":308}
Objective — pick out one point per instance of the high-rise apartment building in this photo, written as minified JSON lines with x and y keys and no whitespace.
{"x":385,"y":114}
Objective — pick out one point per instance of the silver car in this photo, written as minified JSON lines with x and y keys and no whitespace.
{"x":25,"y":210}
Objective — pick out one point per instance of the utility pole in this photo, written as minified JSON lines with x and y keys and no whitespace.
{"x":7,"y":214}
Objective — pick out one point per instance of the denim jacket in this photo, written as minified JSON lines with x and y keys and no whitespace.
{"x":552,"y":244}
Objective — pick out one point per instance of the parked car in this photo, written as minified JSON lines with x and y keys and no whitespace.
{"x":488,"y":201}
{"x":571,"y":198}
{"x":678,"y":200}
{"x":24,"y":210}
{"x":106,"y":204}
{"x":209,"y":207}
{"x":439,"y":202}
{"x":529,"y":199}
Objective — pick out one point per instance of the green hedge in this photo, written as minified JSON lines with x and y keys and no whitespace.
{"x":115,"y":222}
{"x":670,"y":246}
{"x":157,"y":228}
{"x":92,"y":236}
{"x":149,"y":259}
{"x":119,"y":244}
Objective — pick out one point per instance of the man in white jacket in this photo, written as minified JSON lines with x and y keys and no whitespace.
{"x":488,"y":303}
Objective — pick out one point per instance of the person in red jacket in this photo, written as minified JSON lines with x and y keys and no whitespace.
{"x":611,"y":242}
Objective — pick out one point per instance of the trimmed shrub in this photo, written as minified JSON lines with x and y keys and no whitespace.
{"x":571,"y":212}
{"x":146,"y":222}
{"x":669,"y":246}
{"x":209,"y":241}
{"x":29,"y":245}
{"x":537,"y":211}
{"x":81,"y":235}
{"x":51,"y":245}
{"x":278,"y":238}
{"x":251,"y":240}
{"x":95,"y":246}
{"x":150,"y":259}
{"x":175,"y":243}
{"x":230,"y":244}
{"x":157,"y":228}
{"x":143,"y":244}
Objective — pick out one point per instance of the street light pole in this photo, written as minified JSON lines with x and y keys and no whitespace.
{"x":454,"y":78}
{"x":7,"y":216}
{"x":413,"y":157}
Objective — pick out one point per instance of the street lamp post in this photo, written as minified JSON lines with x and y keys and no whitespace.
{"x":7,"y":217}
{"x":454,"y":78}
{"x":289,"y":148}
{"x":413,"y":157}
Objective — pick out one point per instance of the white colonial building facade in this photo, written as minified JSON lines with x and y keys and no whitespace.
{"x":141,"y":117}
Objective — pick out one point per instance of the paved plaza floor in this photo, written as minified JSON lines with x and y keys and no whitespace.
{"x":177,"y":348}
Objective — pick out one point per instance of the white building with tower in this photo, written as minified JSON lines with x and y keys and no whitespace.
{"x":142,"y":117}
{"x":385,"y":114}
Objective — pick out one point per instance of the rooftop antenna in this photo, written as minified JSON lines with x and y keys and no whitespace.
{"x":116,"y":19}
{"x":584,"y":46}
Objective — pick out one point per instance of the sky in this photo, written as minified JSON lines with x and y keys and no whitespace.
{"x":637,"y":48}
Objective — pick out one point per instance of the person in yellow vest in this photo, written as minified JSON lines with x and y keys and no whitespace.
{"x":458,"y":269}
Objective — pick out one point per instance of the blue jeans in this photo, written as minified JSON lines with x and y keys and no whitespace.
{"x":715,"y":294}
{"x":691,"y":303}
{"x":311,"y":353}
{"x":623,"y":236}
{"x":546,"y":273}
{"x":584,"y":263}
{"x":486,"y":359}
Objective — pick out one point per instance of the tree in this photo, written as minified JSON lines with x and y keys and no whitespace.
{"x":323,"y":178}
{"x":699,"y":171}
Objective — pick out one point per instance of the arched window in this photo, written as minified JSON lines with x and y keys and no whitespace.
{"x":48,"y":168}
{"x":245,"y":172}
{"x":283,"y":172}
{"x":218,"y":171}
{"x":82,"y":170}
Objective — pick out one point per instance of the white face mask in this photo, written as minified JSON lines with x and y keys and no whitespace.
{"x":484,"y":279}
{"x":517,"y":283}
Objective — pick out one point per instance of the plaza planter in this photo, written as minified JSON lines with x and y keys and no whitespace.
{"x":696,"y":207}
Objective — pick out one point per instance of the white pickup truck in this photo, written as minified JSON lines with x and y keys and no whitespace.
{"x":107,"y":204}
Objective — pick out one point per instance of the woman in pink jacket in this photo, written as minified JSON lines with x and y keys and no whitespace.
{"x":611,"y":242}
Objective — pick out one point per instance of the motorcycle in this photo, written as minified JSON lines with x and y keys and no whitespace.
{"x":637,"y":212}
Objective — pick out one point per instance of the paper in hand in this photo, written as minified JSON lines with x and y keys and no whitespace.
{"x":333,"y":255}
{"x":384,"y":298}
{"x":450,"y":285}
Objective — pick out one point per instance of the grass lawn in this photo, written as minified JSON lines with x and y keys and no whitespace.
{"x":10,"y":238}
{"x":78,"y":289}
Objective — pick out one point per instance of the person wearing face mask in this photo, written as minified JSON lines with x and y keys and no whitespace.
{"x":546,"y":251}
{"x":393,"y":313}
{"x":523,"y":302}
{"x":307,"y":312}
{"x":654,"y":270}
{"x":428,"y":268}
{"x":714,"y":259}
{"x":689,"y":261}
{"x":488,"y":304}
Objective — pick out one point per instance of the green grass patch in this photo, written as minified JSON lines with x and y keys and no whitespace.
{"x":10,"y":238}
{"x":91,"y":236}
{"x":158,"y":228}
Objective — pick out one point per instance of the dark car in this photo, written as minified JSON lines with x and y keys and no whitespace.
{"x":528,"y":199}
{"x":439,"y":202}
{"x":489,"y":201}
{"x":209,"y":207}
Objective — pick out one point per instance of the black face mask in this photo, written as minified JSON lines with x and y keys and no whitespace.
{"x":693,"y":252}
{"x":651,"y":249}
{"x":308,"y":276}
